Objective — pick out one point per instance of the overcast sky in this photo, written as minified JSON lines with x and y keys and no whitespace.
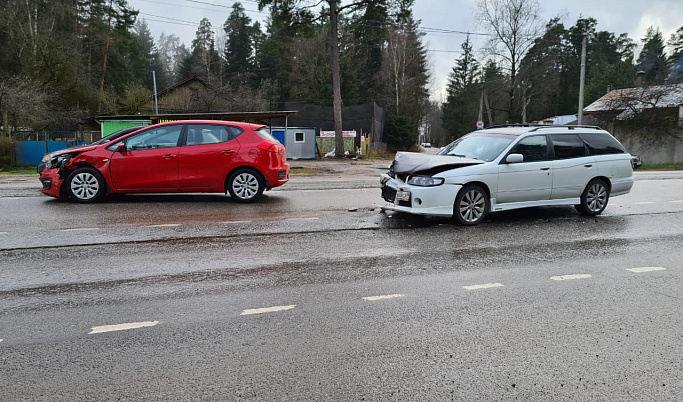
{"x":181,"y":17}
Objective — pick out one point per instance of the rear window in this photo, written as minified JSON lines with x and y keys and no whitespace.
{"x":602,"y":144}
{"x":264,"y":133}
{"x":568,"y":146}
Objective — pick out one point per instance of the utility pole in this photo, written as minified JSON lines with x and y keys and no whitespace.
{"x":156,"y":104}
{"x":583,"y":78}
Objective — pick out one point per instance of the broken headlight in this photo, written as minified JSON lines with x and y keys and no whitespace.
{"x":58,"y":161}
{"x":425,"y":181}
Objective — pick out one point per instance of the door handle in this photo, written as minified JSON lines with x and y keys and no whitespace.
{"x":588,"y":166}
{"x":545,"y":168}
{"x":229,"y":152}
{"x":168,"y":156}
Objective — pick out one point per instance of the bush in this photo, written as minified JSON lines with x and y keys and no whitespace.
{"x":7,"y":154}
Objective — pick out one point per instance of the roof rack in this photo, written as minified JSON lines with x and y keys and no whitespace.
{"x":568,"y":127}
{"x":544,"y":126}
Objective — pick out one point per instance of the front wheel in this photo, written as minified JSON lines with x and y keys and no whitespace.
{"x":245,"y":185}
{"x":85,"y":185}
{"x":471,"y":205}
{"x":594,"y":198}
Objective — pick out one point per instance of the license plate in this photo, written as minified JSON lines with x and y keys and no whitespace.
{"x":403,"y":196}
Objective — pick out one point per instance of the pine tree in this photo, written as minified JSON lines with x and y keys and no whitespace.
{"x":652,"y":59}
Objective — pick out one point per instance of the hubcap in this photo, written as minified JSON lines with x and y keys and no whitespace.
{"x":245,"y":186}
{"x":596,"y":197}
{"x":85,"y":186}
{"x":472,"y":206}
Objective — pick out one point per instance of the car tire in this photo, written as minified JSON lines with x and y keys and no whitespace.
{"x":85,"y":185}
{"x":245,"y":185}
{"x":471,"y":205}
{"x":594,"y":198}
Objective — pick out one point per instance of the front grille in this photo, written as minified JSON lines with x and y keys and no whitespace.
{"x":388,"y":193}
{"x":408,"y":204}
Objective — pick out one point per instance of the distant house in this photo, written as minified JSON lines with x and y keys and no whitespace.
{"x":648,"y":120}
{"x":192,"y":95}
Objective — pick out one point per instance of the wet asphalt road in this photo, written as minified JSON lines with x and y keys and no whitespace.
{"x":361,"y":305}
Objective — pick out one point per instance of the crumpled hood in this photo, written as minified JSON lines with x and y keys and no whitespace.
{"x":412,"y":163}
{"x":81,"y":148}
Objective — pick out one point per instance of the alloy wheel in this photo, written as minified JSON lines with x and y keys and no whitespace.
{"x":85,"y":186}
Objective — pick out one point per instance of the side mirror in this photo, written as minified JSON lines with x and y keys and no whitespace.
{"x":514,"y":158}
{"x":121,"y":147}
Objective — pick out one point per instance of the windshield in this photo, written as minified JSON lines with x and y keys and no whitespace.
{"x":485,"y":147}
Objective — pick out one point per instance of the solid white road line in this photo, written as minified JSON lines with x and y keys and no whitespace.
{"x":76,"y":229}
{"x":165,"y":225}
{"x":484,"y":286}
{"x":122,"y":327}
{"x":646,"y":269}
{"x":382,"y":297}
{"x":568,"y":277}
{"x":267,"y":309}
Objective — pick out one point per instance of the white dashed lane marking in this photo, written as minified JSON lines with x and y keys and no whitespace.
{"x":267,"y":309}
{"x":76,"y":229}
{"x":301,"y":219}
{"x":1,"y":233}
{"x":484,"y":286}
{"x":382,"y":297}
{"x":677,"y":201}
{"x":646,"y":269}
{"x":644,"y":203}
{"x":569,"y":277}
{"x":236,"y":222}
{"x":122,"y":327}
{"x":165,"y":225}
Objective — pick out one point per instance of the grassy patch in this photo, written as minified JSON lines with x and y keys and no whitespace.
{"x":663,"y":166}
{"x":297,"y":171}
{"x":20,"y":170}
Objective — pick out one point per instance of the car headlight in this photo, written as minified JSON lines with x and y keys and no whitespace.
{"x":425,"y":181}
{"x":45,"y":159}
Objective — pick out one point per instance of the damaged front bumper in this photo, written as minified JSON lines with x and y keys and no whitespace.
{"x":52,"y":182}
{"x":418,"y":200}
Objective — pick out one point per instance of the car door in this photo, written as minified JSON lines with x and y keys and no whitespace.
{"x":149,"y":160}
{"x":573,"y":167}
{"x":529,"y":180}
{"x":209,"y":152}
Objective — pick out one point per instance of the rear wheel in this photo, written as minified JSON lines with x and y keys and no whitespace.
{"x":471,"y":205}
{"x":85,"y":185}
{"x":245,"y":185}
{"x":594,"y":198}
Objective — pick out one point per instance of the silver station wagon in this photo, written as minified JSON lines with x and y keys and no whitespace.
{"x":509,"y":167}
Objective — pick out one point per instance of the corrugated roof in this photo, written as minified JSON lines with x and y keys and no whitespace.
{"x":658,"y":96}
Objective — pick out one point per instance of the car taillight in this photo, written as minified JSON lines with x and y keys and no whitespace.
{"x":632,"y":164}
{"x":268,"y":146}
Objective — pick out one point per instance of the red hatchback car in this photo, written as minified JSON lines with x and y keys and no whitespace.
{"x":181,"y":156}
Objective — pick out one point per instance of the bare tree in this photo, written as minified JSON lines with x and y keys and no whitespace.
{"x":513,"y":25}
{"x":22,"y":104}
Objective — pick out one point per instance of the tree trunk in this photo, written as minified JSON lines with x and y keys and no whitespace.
{"x":336,"y":84}
{"x":106,"y":54}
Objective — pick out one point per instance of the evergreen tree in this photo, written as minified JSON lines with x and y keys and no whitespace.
{"x":239,"y":49}
{"x":652,"y":59}
{"x":406,"y":77}
{"x":370,"y":30}
{"x":459,"y":112}
{"x":676,"y":57}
